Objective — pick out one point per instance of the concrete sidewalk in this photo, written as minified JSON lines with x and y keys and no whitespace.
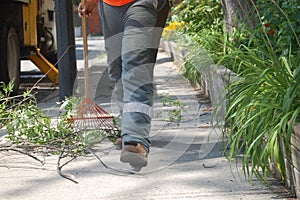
{"x":182,"y":164}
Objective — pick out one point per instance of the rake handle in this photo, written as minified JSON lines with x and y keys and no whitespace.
{"x":85,"y":54}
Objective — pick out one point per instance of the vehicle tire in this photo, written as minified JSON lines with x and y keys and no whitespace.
{"x":9,"y":56}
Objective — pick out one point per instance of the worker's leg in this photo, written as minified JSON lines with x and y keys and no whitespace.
{"x":112,"y":28}
{"x":139,"y":46}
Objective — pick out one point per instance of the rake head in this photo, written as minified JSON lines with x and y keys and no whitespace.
{"x":90,"y":116}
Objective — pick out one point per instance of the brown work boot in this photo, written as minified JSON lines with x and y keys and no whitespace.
{"x":135,"y":154}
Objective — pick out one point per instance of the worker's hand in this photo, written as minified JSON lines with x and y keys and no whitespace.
{"x":87,"y":8}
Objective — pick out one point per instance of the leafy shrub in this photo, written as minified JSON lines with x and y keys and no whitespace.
{"x":266,"y":98}
{"x":281,"y":20}
{"x":198,"y":16}
{"x":28,"y":125}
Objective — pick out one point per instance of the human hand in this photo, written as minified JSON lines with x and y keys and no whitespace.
{"x":86,"y":8}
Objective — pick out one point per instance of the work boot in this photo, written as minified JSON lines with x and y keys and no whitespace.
{"x":135,"y":154}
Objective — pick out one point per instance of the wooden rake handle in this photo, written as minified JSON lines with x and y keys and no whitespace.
{"x":85,"y":54}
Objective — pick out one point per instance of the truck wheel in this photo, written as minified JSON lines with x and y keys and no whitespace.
{"x":10,"y":56}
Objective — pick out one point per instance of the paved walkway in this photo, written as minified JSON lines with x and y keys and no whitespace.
{"x":182,"y":164}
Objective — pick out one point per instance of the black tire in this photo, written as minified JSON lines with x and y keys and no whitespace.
{"x":9,"y":56}
{"x":50,"y":55}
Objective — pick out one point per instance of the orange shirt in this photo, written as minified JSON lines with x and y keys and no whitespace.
{"x":115,"y":2}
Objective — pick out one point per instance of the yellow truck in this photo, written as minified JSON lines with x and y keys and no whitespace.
{"x":27,"y":31}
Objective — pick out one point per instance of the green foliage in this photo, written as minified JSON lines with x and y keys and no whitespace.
{"x":281,"y":20}
{"x":265,"y":98}
{"x":27,"y":124}
{"x":196,"y":17}
{"x":172,"y":108}
{"x":263,"y":103}
{"x":29,"y":127}
{"x":201,"y":22}
{"x":191,"y":73}
{"x":4,"y":101}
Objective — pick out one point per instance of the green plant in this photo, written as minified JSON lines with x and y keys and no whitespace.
{"x":197,"y":16}
{"x":281,"y":20}
{"x":168,"y":32}
{"x":4,"y":101}
{"x":191,"y":73}
{"x":172,"y":108}
{"x":31,"y":131}
{"x":196,"y":23}
{"x":265,"y":97}
{"x":262,"y":102}
{"x":28,"y":126}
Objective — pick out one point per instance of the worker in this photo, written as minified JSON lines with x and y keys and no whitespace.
{"x":132,"y":31}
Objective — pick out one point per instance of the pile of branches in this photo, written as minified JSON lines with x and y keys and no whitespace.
{"x":29,"y":131}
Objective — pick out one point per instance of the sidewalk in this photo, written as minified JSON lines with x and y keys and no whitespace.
{"x":180,"y":165}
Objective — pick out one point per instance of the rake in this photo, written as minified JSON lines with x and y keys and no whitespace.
{"x":90,"y":116}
